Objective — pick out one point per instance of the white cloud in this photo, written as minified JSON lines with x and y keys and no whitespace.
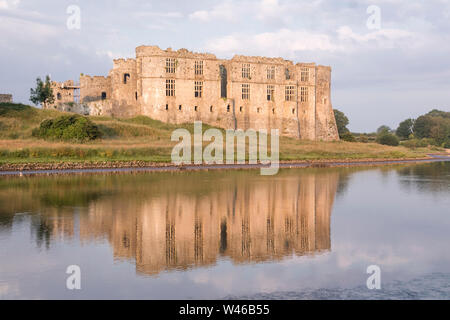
{"x":223,"y":11}
{"x":9,"y":4}
{"x":173,"y":14}
{"x":287,"y":43}
{"x":281,"y":43}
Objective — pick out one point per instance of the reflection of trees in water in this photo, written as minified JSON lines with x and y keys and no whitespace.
{"x":429,"y":177}
{"x":42,"y":231}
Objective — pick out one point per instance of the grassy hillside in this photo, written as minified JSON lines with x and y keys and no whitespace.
{"x":145,"y":139}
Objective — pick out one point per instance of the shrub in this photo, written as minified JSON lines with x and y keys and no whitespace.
{"x":388,"y":139}
{"x":347,"y":136}
{"x":68,"y":128}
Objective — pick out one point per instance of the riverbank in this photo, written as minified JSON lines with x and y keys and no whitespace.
{"x":105,"y":166}
{"x":143,"y":142}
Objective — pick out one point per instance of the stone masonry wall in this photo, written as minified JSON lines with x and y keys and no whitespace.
{"x":241,"y":93}
{"x":6,"y":98}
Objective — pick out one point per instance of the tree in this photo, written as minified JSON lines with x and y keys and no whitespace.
{"x":387,"y":138}
{"x":383,"y":129}
{"x":341,"y":122}
{"x":43,"y":94}
{"x":405,"y":128}
{"x":422,"y":127}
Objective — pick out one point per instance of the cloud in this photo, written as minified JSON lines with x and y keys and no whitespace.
{"x":281,"y":43}
{"x":9,"y":4}
{"x":173,"y":15}
{"x":224,"y":11}
{"x":288,"y":43}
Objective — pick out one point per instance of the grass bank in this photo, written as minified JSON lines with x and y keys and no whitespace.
{"x":148,"y":140}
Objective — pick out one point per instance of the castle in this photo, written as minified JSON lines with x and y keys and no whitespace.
{"x":182,"y":86}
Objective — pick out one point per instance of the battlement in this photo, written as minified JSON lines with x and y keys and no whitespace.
{"x":124,"y":63}
{"x":263,"y":60}
{"x":144,"y":51}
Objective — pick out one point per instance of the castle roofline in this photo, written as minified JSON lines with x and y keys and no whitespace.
{"x":182,"y":53}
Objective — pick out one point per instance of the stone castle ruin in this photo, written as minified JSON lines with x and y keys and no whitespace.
{"x":182,"y":86}
{"x":6,"y":98}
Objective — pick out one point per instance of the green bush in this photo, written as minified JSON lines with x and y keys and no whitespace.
{"x":388,"y":139}
{"x":347,"y":136}
{"x":68,"y":128}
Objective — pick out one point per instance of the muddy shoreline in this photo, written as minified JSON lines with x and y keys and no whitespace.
{"x":133,"y":166}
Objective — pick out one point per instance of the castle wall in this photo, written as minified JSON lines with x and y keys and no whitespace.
{"x":6,"y":98}
{"x":326,"y":128}
{"x":94,"y":88}
{"x":164,"y":85}
{"x":63,"y":93}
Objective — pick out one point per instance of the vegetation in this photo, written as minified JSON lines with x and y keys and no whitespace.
{"x":28,"y":134}
{"x":68,"y":128}
{"x":341,"y":122}
{"x":432,"y":128}
{"x":405,"y":129}
{"x":388,"y":139}
{"x":43,"y":93}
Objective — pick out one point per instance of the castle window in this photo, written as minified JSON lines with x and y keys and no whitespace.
{"x":198,"y":89}
{"x":287,"y":74}
{"x":179,"y":107}
{"x":170,"y":88}
{"x":170,"y":65}
{"x":304,"y":75}
{"x":167,"y":107}
{"x":198,"y":67}
{"x":240,"y":109}
{"x":223,"y":81}
{"x":135,"y":94}
{"x":103,"y":95}
{"x":270,"y":72}
{"x":58,"y":96}
{"x":245,"y":91}
{"x":258,"y":110}
{"x":211,"y":109}
{"x":293,"y":111}
{"x":290,"y":93}
{"x":228,"y":108}
{"x":273,"y":111}
{"x":304,"y":94}
{"x":270,"y":92}
{"x":126,"y":76}
{"x":246,"y":70}
{"x":195,"y":108}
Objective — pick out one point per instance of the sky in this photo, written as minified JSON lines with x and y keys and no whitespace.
{"x":390,"y":59}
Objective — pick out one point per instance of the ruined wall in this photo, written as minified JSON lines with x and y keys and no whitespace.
{"x":183,"y":106}
{"x":326,"y":128}
{"x":124,"y":88}
{"x":6,"y":98}
{"x":63,"y":93}
{"x":164,"y":85}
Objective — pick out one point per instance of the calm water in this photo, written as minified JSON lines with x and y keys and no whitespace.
{"x":304,"y":233}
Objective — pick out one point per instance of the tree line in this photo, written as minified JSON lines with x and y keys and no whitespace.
{"x":430,"y":129}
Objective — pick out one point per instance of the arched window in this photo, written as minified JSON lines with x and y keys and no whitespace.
{"x":126,"y":76}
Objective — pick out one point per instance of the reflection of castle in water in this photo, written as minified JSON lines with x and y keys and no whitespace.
{"x":246,"y":220}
